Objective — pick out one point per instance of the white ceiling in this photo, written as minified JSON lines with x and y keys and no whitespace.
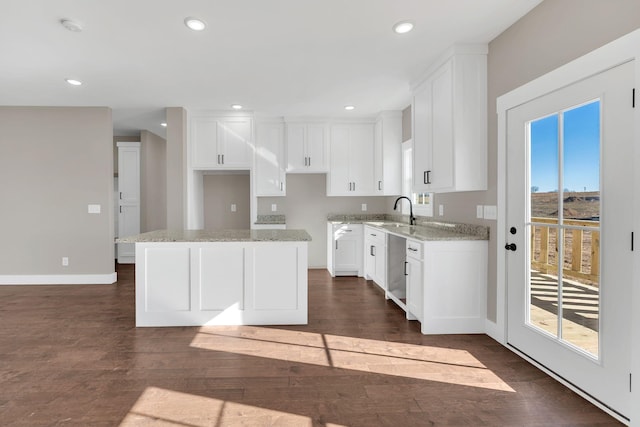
{"x":277,"y":57}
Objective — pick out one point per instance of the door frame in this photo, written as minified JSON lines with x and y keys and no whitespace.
{"x":617,"y":52}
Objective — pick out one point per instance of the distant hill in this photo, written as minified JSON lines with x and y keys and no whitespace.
{"x":576,"y":205}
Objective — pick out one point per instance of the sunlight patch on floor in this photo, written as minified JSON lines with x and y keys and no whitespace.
{"x":162,"y":407}
{"x":444,"y":365}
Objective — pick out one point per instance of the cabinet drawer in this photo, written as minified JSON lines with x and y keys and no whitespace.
{"x":376,"y":236}
{"x":414,"y":249}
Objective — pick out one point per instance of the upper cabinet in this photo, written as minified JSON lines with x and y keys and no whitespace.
{"x":387,"y":153}
{"x":221,"y":143}
{"x":351,"y":163}
{"x":307,"y":148}
{"x":449,"y":120}
{"x":269,"y":172}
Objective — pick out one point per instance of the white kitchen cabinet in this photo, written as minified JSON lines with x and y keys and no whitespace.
{"x":351,"y":160}
{"x":270,"y":177}
{"x":375,"y":256}
{"x":221,"y":143}
{"x":388,"y":154}
{"x":344,"y":249}
{"x":128,"y":198}
{"x":449,"y":111}
{"x":307,"y":148}
{"x":414,"y":280}
{"x":221,"y":283}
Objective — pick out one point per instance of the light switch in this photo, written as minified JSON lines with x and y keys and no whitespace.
{"x":490,"y":212}
{"x":94,"y":209}
{"x":440,"y":210}
{"x":479,"y":211}
{"x":364,"y":207}
{"x":233,"y":207}
{"x":274,"y":207}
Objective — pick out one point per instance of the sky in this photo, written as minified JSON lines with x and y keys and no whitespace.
{"x":581,"y":150}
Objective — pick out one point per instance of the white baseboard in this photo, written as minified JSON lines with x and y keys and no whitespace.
{"x":59,"y":279}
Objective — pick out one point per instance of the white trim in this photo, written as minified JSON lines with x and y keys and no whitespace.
{"x":624,"y":49}
{"x":492,"y":329}
{"x":59,"y":279}
{"x":457,"y":49}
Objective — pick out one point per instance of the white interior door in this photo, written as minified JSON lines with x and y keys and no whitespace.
{"x":569,"y":228}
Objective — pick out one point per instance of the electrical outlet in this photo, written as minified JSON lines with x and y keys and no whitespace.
{"x":274,"y":207}
{"x":479,"y":211}
{"x":94,"y":209}
{"x":364,"y":207}
{"x":440,"y":210}
{"x":233,"y":207}
{"x":65,"y":261}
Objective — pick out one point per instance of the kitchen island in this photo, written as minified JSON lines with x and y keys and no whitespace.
{"x":221,"y":277}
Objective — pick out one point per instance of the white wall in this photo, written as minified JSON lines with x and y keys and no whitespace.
{"x":54,"y":161}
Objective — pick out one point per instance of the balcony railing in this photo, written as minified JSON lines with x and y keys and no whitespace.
{"x":581,"y":254}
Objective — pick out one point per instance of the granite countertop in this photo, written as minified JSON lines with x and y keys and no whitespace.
{"x":218,"y":236}
{"x":425,"y":230}
{"x":271,"y":219}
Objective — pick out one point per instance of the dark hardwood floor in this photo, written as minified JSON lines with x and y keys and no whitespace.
{"x":71,"y":356}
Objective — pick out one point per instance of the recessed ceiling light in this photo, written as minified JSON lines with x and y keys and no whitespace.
{"x":163,"y":124}
{"x":73,"y":82}
{"x":236,"y":106}
{"x":403,"y":27}
{"x":195,"y":24}
{"x":349,"y":107}
{"x":70,"y":25}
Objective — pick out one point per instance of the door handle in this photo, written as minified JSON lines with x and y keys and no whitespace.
{"x":427,"y":177}
{"x":510,"y":246}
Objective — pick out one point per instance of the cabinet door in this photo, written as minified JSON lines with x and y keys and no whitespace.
{"x":234,"y":142}
{"x":269,"y":176}
{"x":361,"y":159}
{"x":414,"y":287}
{"x":339,"y":182}
{"x":296,"y":148}
{"x":129,"y":175}
{"x":204,"y":143}
{"x":128,"y":225}
{"x":346,"y":252}
{"x":381,"y":265}
{"x":316,"y":148}
{"x":421,"y":114}
{"x":369,"y":260}
{"x":442,"y":128}
{"x":378,"y":162}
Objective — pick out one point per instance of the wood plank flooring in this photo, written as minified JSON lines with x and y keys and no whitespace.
{"x":71,"y":356}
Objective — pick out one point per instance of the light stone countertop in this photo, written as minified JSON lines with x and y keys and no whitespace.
{"x":218,"y":236}
{"x":271,"y":219}
{"x":425,"y":230}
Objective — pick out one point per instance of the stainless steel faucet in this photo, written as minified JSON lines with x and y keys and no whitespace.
{"x":412,"y":219}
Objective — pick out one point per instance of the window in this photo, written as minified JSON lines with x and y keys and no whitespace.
{"x":422,"y":202}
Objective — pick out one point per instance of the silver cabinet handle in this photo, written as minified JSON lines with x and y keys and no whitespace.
{"x":413,"y":249}
{"x":336,"y":245}
{"x":380,"y":185}
{"x":354,"y":186}
{"x":218,"y":158}
{"x":371,"y":234}
{"x":405,"y":268}
{"x":427,"y":177}
{"x":120,"y":209}
{"x":223,"y":159}
{"x":281,"y":186}
{"x":309,"y":161}
{"x":372,"y":250}
{"x":348,"y":230}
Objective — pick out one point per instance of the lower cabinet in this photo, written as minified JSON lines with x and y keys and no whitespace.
{"x":441,"y":283}
{"x":414,"y":280}
{"x":375,"y":256}
{"x":221,"y":283}
{"x":344,"y":249}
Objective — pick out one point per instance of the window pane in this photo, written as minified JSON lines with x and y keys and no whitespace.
{"x":581,"y":163}
{"x":544,"y":167}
